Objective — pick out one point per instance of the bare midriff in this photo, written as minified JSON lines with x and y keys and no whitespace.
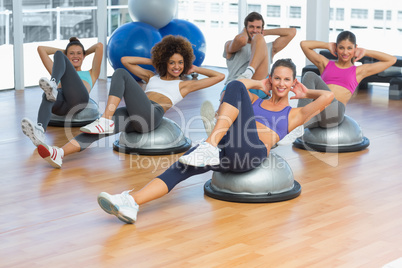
{"x":161,"y":99}
{"x":341,"y":94}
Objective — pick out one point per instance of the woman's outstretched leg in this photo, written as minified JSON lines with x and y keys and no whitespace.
{"x":125,"y":205}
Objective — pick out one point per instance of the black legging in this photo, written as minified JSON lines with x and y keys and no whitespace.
{"x":241,"y":148}
{"x":74,"y":94}
{"x":332,"y":115}
{"x":140,"y":114}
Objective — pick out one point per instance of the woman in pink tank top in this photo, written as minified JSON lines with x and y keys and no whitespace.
{"x":340,"y":76}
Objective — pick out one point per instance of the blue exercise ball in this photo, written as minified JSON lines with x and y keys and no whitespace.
{"x":192,"y":33}
{"x":132,"y":39}
{"x":157,"y":13}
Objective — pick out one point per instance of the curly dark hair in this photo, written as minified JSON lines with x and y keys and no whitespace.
{"x":164,"y":50}
{"x":74,"y":42}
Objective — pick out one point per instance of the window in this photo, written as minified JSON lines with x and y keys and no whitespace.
{"x":389,"y":15}
{"x":199,"y":7}
{"x":255,"y":8}
{"x":378,"y":14}
{"x":359,"y":13}
{"x":6,"y":45}
{"x":216,"y":8}
{"x":340,"y":14}
{"x":295,"y":12}
{"x":273,"y":11}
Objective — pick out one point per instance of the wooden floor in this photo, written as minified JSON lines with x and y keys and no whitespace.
{"x":348,"y":215}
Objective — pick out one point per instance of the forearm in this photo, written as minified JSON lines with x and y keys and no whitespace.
{"x":319,"y":94}
{"x":381,"y":56}
{"x":206,"y":72}
{"x":252,"y":84}
{"x":236,"y":44}
{"x":135,"y":61}
{"x":93,"y":48}
{"x":311,"y":44}
{"x":48,"y":50}
{"x":280,"y":31}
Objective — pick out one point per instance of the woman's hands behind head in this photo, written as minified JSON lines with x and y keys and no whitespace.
{"x":359,"y":53}
{"x":266,"y":86}
{"x":299,"y":89}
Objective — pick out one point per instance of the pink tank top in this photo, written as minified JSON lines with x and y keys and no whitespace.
{"x":342,"y":77}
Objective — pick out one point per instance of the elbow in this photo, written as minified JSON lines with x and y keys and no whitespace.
{"x":124,"y":61}
{"x":292,"y":32}
{"x":99,"y":45}
{"x":242,"y":40}
{"x":330,"y":96}
{"x":303,"y":44}
{"x":221,"y":76}
{"x":394,"y":59}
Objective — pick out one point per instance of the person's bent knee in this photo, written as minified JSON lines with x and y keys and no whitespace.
{"x":120,"y":72}
{"x":258,"y":38}
{"x":58,"y":53}
{"x":308,"y":76}
{"x":235,"y":85}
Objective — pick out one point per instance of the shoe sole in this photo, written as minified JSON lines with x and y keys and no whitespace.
{"x":48,"y":89}
{"x":109,"y":208}
{"x":28,"y":129}
{"x":88,"y":132}
{"x":207,"y":116}
{"x":45,"y":154}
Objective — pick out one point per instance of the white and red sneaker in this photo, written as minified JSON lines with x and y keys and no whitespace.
{"x":49,"y":87}
{"x":34,"y":132}
{"x":52,"y":154}
{"x":99,"y":126}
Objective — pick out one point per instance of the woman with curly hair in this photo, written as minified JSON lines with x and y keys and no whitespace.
{"x":172,"y":57}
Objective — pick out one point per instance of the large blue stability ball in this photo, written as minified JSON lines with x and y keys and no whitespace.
{"x":157,"y":13}
{"x":132,"y":39}
{"x":192,"y":33}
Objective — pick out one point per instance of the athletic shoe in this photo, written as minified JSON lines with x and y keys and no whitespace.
{"x":208,"y":116}
{"x":35,"y":132}
{"x":292,"y":136}
{"x":247,"y":74}
{"x":244,"y":76}
{"x":121,"y":205}
{"x":204,"y":155}
{"x":99,"y":126}
{"x":52,"y":154}
{"x":49,"y":87}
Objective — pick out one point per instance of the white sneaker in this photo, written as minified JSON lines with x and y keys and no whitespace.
{"x":121,"y":205}
{"x":208,"y":116}
{"x":99,"y":126}
{"x":49,"y":87}
{"x":52,"y":154}
{"x":35,"y":132}
{"x":292,"y":136}
{"x":243,"y":76}
{"x":204,"y":155}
